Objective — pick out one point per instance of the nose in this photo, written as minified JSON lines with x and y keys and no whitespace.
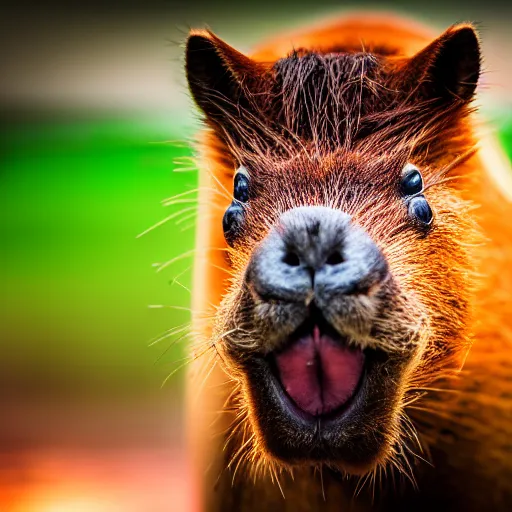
{"x":315,"y":251}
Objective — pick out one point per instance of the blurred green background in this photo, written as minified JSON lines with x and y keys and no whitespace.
{"x":96,"y":131}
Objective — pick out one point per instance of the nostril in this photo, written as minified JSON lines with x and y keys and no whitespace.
{"x":334,"y":258}
{"x":292,"y":259}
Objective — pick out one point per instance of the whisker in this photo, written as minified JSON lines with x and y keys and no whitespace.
{"x":164,"y":306}
{"x":167,"y":219}
{"x":175,"y":281}
{"x":187,"y":360}
{"x":170,"y":332}
{"x":188,"y":192}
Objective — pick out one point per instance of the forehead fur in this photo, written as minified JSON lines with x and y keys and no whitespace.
{"x":325,"y":97}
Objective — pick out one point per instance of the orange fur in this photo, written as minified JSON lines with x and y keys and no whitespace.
{"x":463,"y":418}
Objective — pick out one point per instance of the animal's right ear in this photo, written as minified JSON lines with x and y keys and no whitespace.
{"x":448,"y":68}
{"x":220,"y":78}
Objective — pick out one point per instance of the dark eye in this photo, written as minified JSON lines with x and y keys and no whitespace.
{"x":412,"y":182}
{"x":232,"y":221}
{"x":241,"y":187}
{"x":419,"y":209}
{"x":234,"y":217}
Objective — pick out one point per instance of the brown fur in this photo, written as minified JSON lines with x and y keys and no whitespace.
{"x":332,"y":120}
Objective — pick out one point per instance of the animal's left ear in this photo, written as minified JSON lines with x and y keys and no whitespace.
{"x":222,"y":81}
{"x":448,"y":68}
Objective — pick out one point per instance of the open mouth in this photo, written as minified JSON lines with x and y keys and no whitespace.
{"x":316,"y":397}
{"x":318,"y":370}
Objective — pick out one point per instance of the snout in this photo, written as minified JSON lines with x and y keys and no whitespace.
{"x":316,"y":256}
{"x":308,"y":276}
{"x":316,"y":253}
{"x":328,"y":337}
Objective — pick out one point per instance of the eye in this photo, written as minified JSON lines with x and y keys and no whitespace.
{"x":232,"y":221}
{"x":419,"y":209}
{"x":412,"y":182}
{"x":241,"y":185}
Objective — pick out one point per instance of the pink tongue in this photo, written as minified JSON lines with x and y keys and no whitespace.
{"x":319,"y":374}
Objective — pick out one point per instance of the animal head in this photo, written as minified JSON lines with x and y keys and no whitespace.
{"x":349,"y":239}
